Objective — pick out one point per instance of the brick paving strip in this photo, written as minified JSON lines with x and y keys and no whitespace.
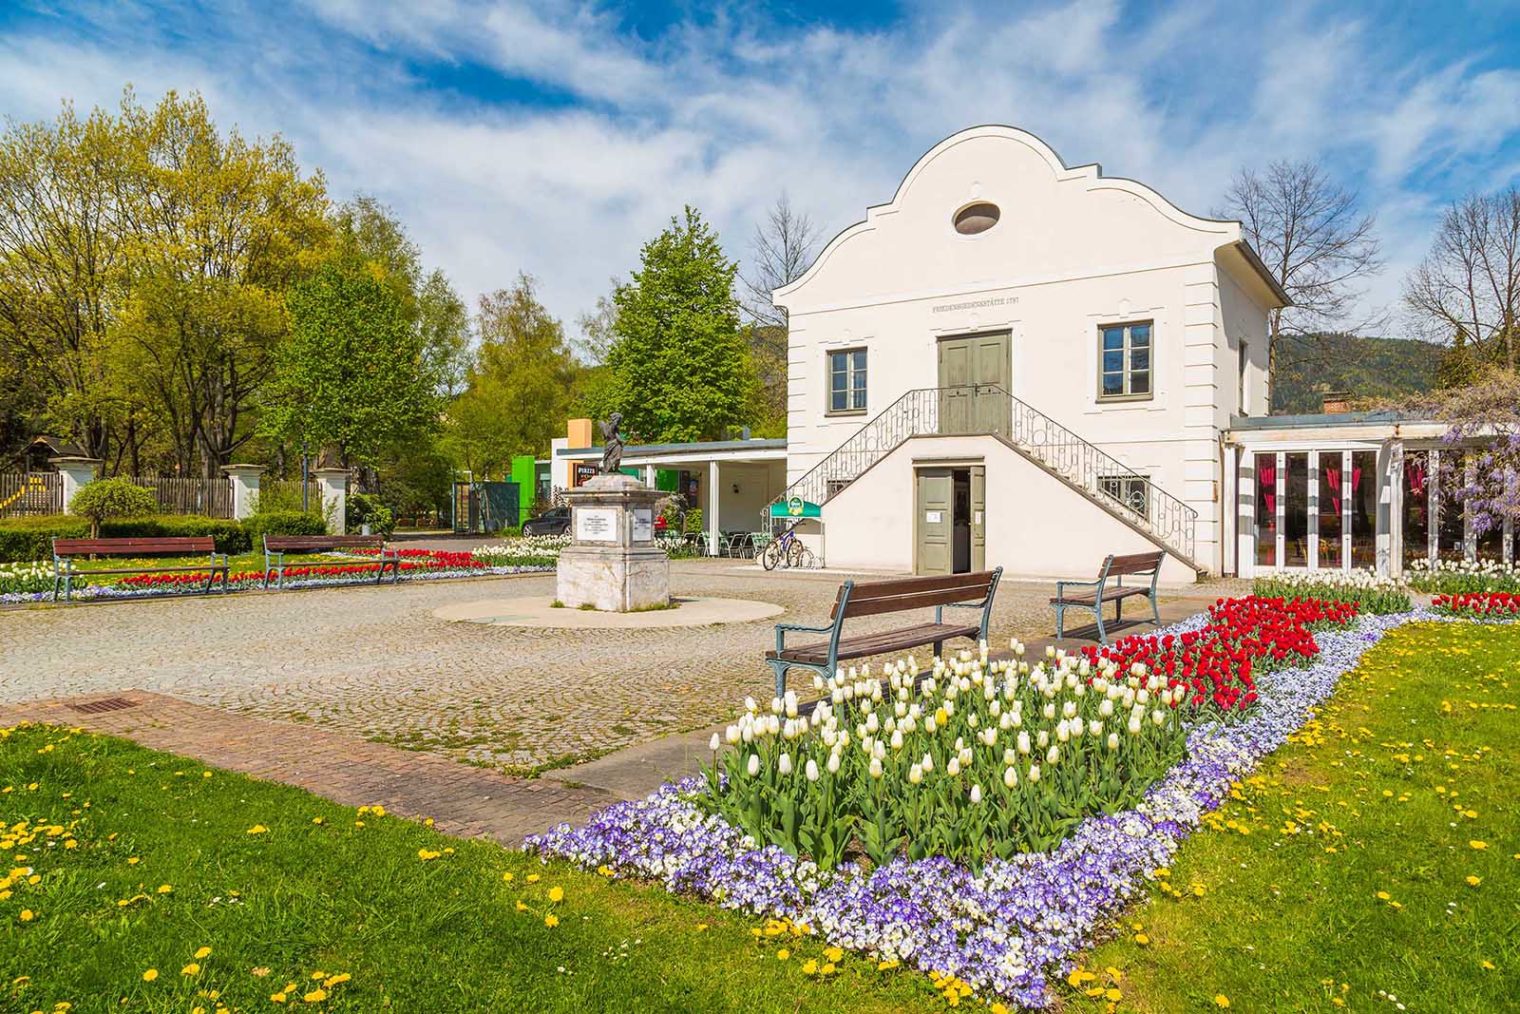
{"x":463,"y":800}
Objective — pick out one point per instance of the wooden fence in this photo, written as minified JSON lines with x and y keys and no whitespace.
{"x":181,"y":495}
{"x":30,"y":493}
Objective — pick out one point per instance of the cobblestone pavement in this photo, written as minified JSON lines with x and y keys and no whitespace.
{"x":374,"y":662}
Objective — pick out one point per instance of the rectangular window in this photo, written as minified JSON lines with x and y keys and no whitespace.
{"x":1296,"y":511}
{"x":1417,"y":479}
{"x":1333,"y":491}
{"x":1133,"y":491}
{"x":1363,"y":494}
{"x":847,"y":380}
{"x":1243,"y":394}
{"x":1124,"y":366}
{"x":1266,"y":510}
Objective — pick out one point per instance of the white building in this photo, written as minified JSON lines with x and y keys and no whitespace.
{"x":1022,"y":363}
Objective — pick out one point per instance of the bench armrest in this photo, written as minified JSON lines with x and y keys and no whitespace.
{"x":1061,"y":586}
{"x":782,"y":629}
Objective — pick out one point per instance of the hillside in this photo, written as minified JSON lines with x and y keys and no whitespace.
{"x":1366,"y":368}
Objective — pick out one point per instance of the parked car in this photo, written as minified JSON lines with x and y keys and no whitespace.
{"x":555,"y":521}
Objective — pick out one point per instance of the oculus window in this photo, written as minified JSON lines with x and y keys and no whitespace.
{"x":847,"y":380}
{"x":1124,"y":361}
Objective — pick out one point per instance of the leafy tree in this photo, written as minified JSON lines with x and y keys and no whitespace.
{"x":353,"y":373}
{"x":111,"y":498}
{"x":445,"y":324}
{"x":679,"y":362}
{"x":519,"y":386}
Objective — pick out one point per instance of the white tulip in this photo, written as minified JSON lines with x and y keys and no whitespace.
{"x":833,"y":764}
{"x":1043,"y":739}
{"x":1009,"y":755}
{"x":928,"y":762}
{"x":875,"y":768}
{"x":897,"y":740}
{"x":1010,"y":777}
{"x":972,"y":720}
{"x":749,"y":705}
{"x":1023,"y":742}
{"x":1049,"y":711}
{"x":1158,"y":717}
{"x":1053,"y":754}
{"x":754,"y":764}
{"x":784,"y":764}
{"x":812,"y":770}
{"x":1113,"y":741}
{"x":1034,"y":772}
{"x":915,"y":774}
{"x":954,"y":767}
{"x":715,"y":743}
{"x":1094,"y":728}
{"x":1134,"y":726}
{"x":732,"y":734}
{"x":976,"y":794}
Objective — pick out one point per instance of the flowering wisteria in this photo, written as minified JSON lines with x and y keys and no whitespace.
{"x":1008,"y":929}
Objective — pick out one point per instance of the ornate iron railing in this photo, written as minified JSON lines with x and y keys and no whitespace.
{"x":985,"y":409}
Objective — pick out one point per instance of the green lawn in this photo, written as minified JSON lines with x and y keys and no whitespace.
{"x":1341,"y":873}
{"x":417,"y":920}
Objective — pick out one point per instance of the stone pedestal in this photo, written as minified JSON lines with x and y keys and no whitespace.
{"x":612,"y":562}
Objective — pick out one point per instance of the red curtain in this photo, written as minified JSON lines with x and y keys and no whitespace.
{"x":1333,"y":479}
{"x":1415,"y":469}
{"x":1266,"y":483}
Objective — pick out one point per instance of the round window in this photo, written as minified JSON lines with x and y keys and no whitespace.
{"x":975,"y":218}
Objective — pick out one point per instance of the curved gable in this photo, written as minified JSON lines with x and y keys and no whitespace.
{"x":1056,"y":220}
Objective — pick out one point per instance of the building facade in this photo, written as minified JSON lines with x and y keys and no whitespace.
{"x":1024,"y":363}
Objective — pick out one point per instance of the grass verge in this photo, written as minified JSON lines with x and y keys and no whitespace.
{"x":1371,"y":864}
{"x":298,"y":897}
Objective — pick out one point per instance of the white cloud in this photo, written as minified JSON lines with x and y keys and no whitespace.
{"x":728,"y":112}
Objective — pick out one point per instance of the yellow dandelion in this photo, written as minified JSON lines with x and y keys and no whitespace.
{"x":336,"y":980}
{"x":202,"y":953}
{"x":521,"y":907}
{"x":27,"y":915}
{"x":556,"y":894}
{"x":1479,"y":845}
{"x":315,"y":996}
{"x":1220,"y":1000}
{"x":506,"y":878}
{"x":551,"y":920}
{"x":191,"y":969}
{"x":1383,"y":896}
{"x":258,"y":829}
{"x":533,"y":878}
{"x":1142,"y":939}
{"x":701,"y":927}
{"x":319,"y":820}
{"x":809,"y":967}
{"x":1487,"y":965}
{"x":165,"y":889}
{"x":1474,"y":881}
{"x":277,"y":997}
{"x":783,"y":954}
{"x":150,"y":975}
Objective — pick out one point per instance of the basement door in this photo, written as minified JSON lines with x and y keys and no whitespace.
{"x":975,"y":377}
{"x":949,"y":528}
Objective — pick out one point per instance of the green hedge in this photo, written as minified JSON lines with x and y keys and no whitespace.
{"x":30,"y":538}
{"x":282,"y":523}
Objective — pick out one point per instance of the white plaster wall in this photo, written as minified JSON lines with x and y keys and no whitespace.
{"x":1072,"y":251}
{"x":759,"y":483}
{"x":1036,"y":525}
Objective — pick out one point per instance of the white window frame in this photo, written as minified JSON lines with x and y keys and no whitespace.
{"x":857,"y":380}
{"x":1127,"y":370}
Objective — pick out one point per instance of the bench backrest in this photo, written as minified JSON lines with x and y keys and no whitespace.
{"x":134,"y":547}
{"x":1134,"y":563}
{"x":300,"y":543}
{"x":871,"y":598}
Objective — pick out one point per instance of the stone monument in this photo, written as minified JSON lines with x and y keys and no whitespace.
{"x":612,"y":562}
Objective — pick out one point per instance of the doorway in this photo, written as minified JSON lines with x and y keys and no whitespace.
{"x":975,"y":380}
{"x":950,"y":532}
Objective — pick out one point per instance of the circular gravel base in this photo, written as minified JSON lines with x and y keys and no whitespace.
{"x":538,"y":611}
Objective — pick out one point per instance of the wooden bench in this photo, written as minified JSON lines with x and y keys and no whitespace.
{"x":1115,"y":569}
{"x":276,"y":546}
{"x":873,"y":598}
{"x":66,"y":551}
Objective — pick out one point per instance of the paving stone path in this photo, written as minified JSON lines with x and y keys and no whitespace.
{"x":375,"y":664}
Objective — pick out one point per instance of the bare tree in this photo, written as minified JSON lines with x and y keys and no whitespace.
{"x":782,"y":248}
{"x":780,"y":251}
{"x":1466,"y":292}
{"x":1316,"y":242}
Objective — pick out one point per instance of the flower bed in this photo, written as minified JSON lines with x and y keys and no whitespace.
{"x":1372,"y":592}
{"x":1452,"y":577}
{"x":36,"y":584}
{"x":1007,"y":928}
{"x":1478,"y":604}
{"x":522,"y":551}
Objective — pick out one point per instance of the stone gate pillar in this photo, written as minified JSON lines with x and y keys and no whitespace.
{"x":332,"y":485}
{"x":245,"y":488}
{"x":75,"y":473}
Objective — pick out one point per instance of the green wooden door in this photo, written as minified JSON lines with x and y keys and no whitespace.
{"x":978,"y":517}
{"x":975,"y":374}
{"x":934,"y":521}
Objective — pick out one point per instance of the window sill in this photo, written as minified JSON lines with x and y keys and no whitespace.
{"x":1124,"y":399}
{"x":845,"y":412}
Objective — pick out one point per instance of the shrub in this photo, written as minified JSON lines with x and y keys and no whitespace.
{"x":285,"y":522}
{"x":366,"y":509}
{"x":30,"y":538}
{"x":112,"y":498}
{"x":693,"y":522}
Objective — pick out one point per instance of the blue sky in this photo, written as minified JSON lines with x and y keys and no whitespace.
{"x":555,"y":137}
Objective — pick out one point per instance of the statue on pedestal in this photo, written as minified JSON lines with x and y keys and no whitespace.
{"x":612,"y":445}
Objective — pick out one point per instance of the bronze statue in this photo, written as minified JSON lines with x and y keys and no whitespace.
{"x":612,"y":444}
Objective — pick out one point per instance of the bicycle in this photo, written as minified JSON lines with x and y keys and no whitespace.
{"x":786,"y":549}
